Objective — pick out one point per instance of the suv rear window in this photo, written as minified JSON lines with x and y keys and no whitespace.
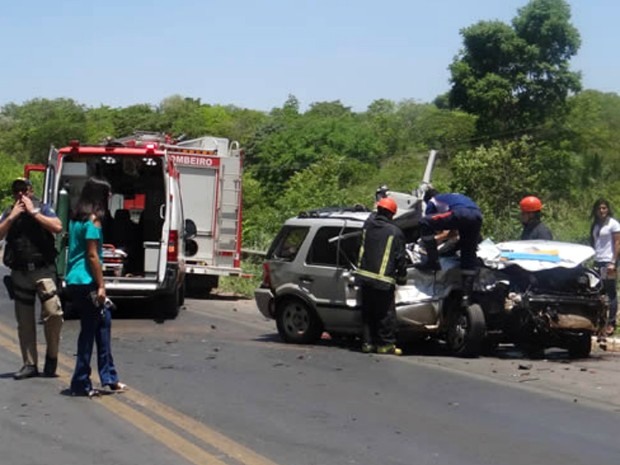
{"x":323,"y":252}
{"x":287,"y":243}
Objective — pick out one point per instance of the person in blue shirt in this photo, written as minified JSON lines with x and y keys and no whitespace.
{"x":452,"y":211}
{"x":86,"y":287}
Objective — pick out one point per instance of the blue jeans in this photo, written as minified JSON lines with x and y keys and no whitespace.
{"x":95,"y":327}
{"x":610,"y":289}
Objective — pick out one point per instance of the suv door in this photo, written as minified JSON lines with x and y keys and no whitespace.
{"x":327,"y":276}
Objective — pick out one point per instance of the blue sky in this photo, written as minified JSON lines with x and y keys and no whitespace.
{"x":253,"y":54}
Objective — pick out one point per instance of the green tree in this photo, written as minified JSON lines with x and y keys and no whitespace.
{"x":516,"y":78}
{"x":382,"y":116}
{"x":245,"y":124}
{"x":319,"y":185}
{"x":180,"y":115}
{"x":100,"y":124}
{"x":260,"y":217}
{"x":28,"y":130}
{"x":291,"y":141}
{"x":11,"y":169}
{"x":141,"y":117}
{"x":587,"y":130}
{"x":498,"y":176}
{"x":410,"y":127}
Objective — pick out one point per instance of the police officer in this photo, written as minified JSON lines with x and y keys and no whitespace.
{"x":29,"y":252}
{"x":533,"y":227}
{"x":381,"y":263}
{"x":452,"y":211}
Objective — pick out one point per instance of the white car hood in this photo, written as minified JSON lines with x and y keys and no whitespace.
{"x":533,"y":255}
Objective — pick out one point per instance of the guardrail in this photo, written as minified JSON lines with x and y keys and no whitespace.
{"x":253,"y":253}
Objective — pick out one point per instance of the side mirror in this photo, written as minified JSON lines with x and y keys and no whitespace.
{"x":190,"y":229}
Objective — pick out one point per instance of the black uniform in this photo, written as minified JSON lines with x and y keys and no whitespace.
{"x":381,"y":261}
{"x":30,"y":253}
{"x":536,"y":229}
{"x":28,"y":245}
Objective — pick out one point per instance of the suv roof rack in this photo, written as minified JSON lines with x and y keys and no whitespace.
{"x":329,"y":211}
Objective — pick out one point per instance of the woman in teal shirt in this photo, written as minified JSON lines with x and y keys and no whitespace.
{"x":87,"y":290}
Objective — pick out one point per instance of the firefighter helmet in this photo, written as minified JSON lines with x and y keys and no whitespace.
{"x":530,"y":204}
{"x":388,"y":204}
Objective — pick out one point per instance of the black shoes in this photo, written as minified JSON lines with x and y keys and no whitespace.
{"x":49,"y":370}
{"x":31,"y":371}
{"x":27,"y":371}
{"x":90,"y":393}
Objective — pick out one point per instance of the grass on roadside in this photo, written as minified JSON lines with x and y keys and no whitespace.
{"x":243,"y":286}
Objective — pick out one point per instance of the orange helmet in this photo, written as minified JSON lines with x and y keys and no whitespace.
{"x":388,"y":204}
{"x":530,"y":204}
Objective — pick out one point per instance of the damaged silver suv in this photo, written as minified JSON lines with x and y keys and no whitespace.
{"x":531,"y":294}
{"x":307,"y":276}
{"x":308,"y":287}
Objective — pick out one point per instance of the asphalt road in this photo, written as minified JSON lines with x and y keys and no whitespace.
{"x":216,"y":386}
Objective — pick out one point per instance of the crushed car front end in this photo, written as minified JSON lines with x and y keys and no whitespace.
{"x":548,"y":297}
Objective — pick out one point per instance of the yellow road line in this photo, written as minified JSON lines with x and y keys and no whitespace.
{"x":181,"y":446}
{"x":190,"y":451}
{"x":200,"y":431}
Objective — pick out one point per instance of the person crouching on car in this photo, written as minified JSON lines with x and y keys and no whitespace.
{"x":452,"y":211}
{"x":381,"y":264}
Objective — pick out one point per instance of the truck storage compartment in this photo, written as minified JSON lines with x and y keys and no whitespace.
{"x":151,"y":258}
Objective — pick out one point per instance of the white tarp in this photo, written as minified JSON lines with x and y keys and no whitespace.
{"x":534,"y":255}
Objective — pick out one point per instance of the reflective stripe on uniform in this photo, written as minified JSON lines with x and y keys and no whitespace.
{"x":378,"y":277}
{"x":359,"y":260}
{"x":386,"y":255}
{"x":384,"y":262}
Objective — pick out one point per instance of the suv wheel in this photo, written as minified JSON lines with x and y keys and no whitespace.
{"x":580,"y":346}
{"x":297,"y":322}
{"x":466,"y":331}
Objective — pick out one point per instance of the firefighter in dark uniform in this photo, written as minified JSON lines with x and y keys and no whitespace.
{"x":533,"y":227}
{"x":29,"y":252}
{"x":452,"y":211}
{"x":381,"y":264}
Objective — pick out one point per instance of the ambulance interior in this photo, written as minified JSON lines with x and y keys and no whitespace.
{"x":132,"y":229}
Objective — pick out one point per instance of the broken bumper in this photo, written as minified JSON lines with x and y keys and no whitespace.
{"x":265,"y":302}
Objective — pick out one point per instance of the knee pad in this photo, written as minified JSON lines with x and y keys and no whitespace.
{"x":50,"y":302}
